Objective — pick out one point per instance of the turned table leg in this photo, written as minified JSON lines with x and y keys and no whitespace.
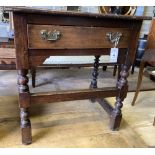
{"x":24,"y":104}
{"x":122,"y":88}
{"x":95,"y":72}
{"x":104,"y":68}
{"x":95,"y":75}
{"x":33,"y":73}
{"x":115,"y":70}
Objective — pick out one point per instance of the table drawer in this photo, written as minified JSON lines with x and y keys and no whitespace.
{"x":73,"y":37}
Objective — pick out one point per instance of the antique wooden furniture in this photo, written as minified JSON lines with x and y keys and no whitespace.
{"x":43,"y":33}
{"x":147,"y":59}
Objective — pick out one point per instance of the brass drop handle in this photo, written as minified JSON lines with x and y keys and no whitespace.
{"x":49,"y":35}
{"x":114,"y":37}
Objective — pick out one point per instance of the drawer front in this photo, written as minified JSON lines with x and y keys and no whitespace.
{"x":73,"y":37}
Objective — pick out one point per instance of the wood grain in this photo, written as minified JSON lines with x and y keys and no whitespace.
{"x":29,"y":10}
{"x":51,"y":97}
{"x":75,"y":37}
{"x":20,"y":26}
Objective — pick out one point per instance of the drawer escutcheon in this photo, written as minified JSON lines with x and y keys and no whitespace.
{"x":114,"y":37}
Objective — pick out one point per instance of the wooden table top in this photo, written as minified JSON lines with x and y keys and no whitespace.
{"x":71,"y":13}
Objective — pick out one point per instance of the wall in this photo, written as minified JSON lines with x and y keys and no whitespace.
{"x":148,"y":11}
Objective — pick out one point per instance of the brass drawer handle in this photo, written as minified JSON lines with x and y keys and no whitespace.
{"x":114,"y":37}
{"x":50,"y":36}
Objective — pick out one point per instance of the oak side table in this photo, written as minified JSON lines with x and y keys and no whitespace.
{"x":42,"y":33}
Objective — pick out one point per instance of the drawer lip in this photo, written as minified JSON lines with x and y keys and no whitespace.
{"x":71,"y":52}
{"x":75,"y":37}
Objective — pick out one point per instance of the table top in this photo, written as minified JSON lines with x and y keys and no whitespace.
{"x":32,"y":10}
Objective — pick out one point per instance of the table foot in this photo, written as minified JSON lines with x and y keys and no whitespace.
{"x":92,"y":100}
{"x":25,"y":126}
{"x":115,"y":121}
{"x":26,"y":135}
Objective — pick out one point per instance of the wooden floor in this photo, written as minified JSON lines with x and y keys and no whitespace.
{"x":80,"y":124}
